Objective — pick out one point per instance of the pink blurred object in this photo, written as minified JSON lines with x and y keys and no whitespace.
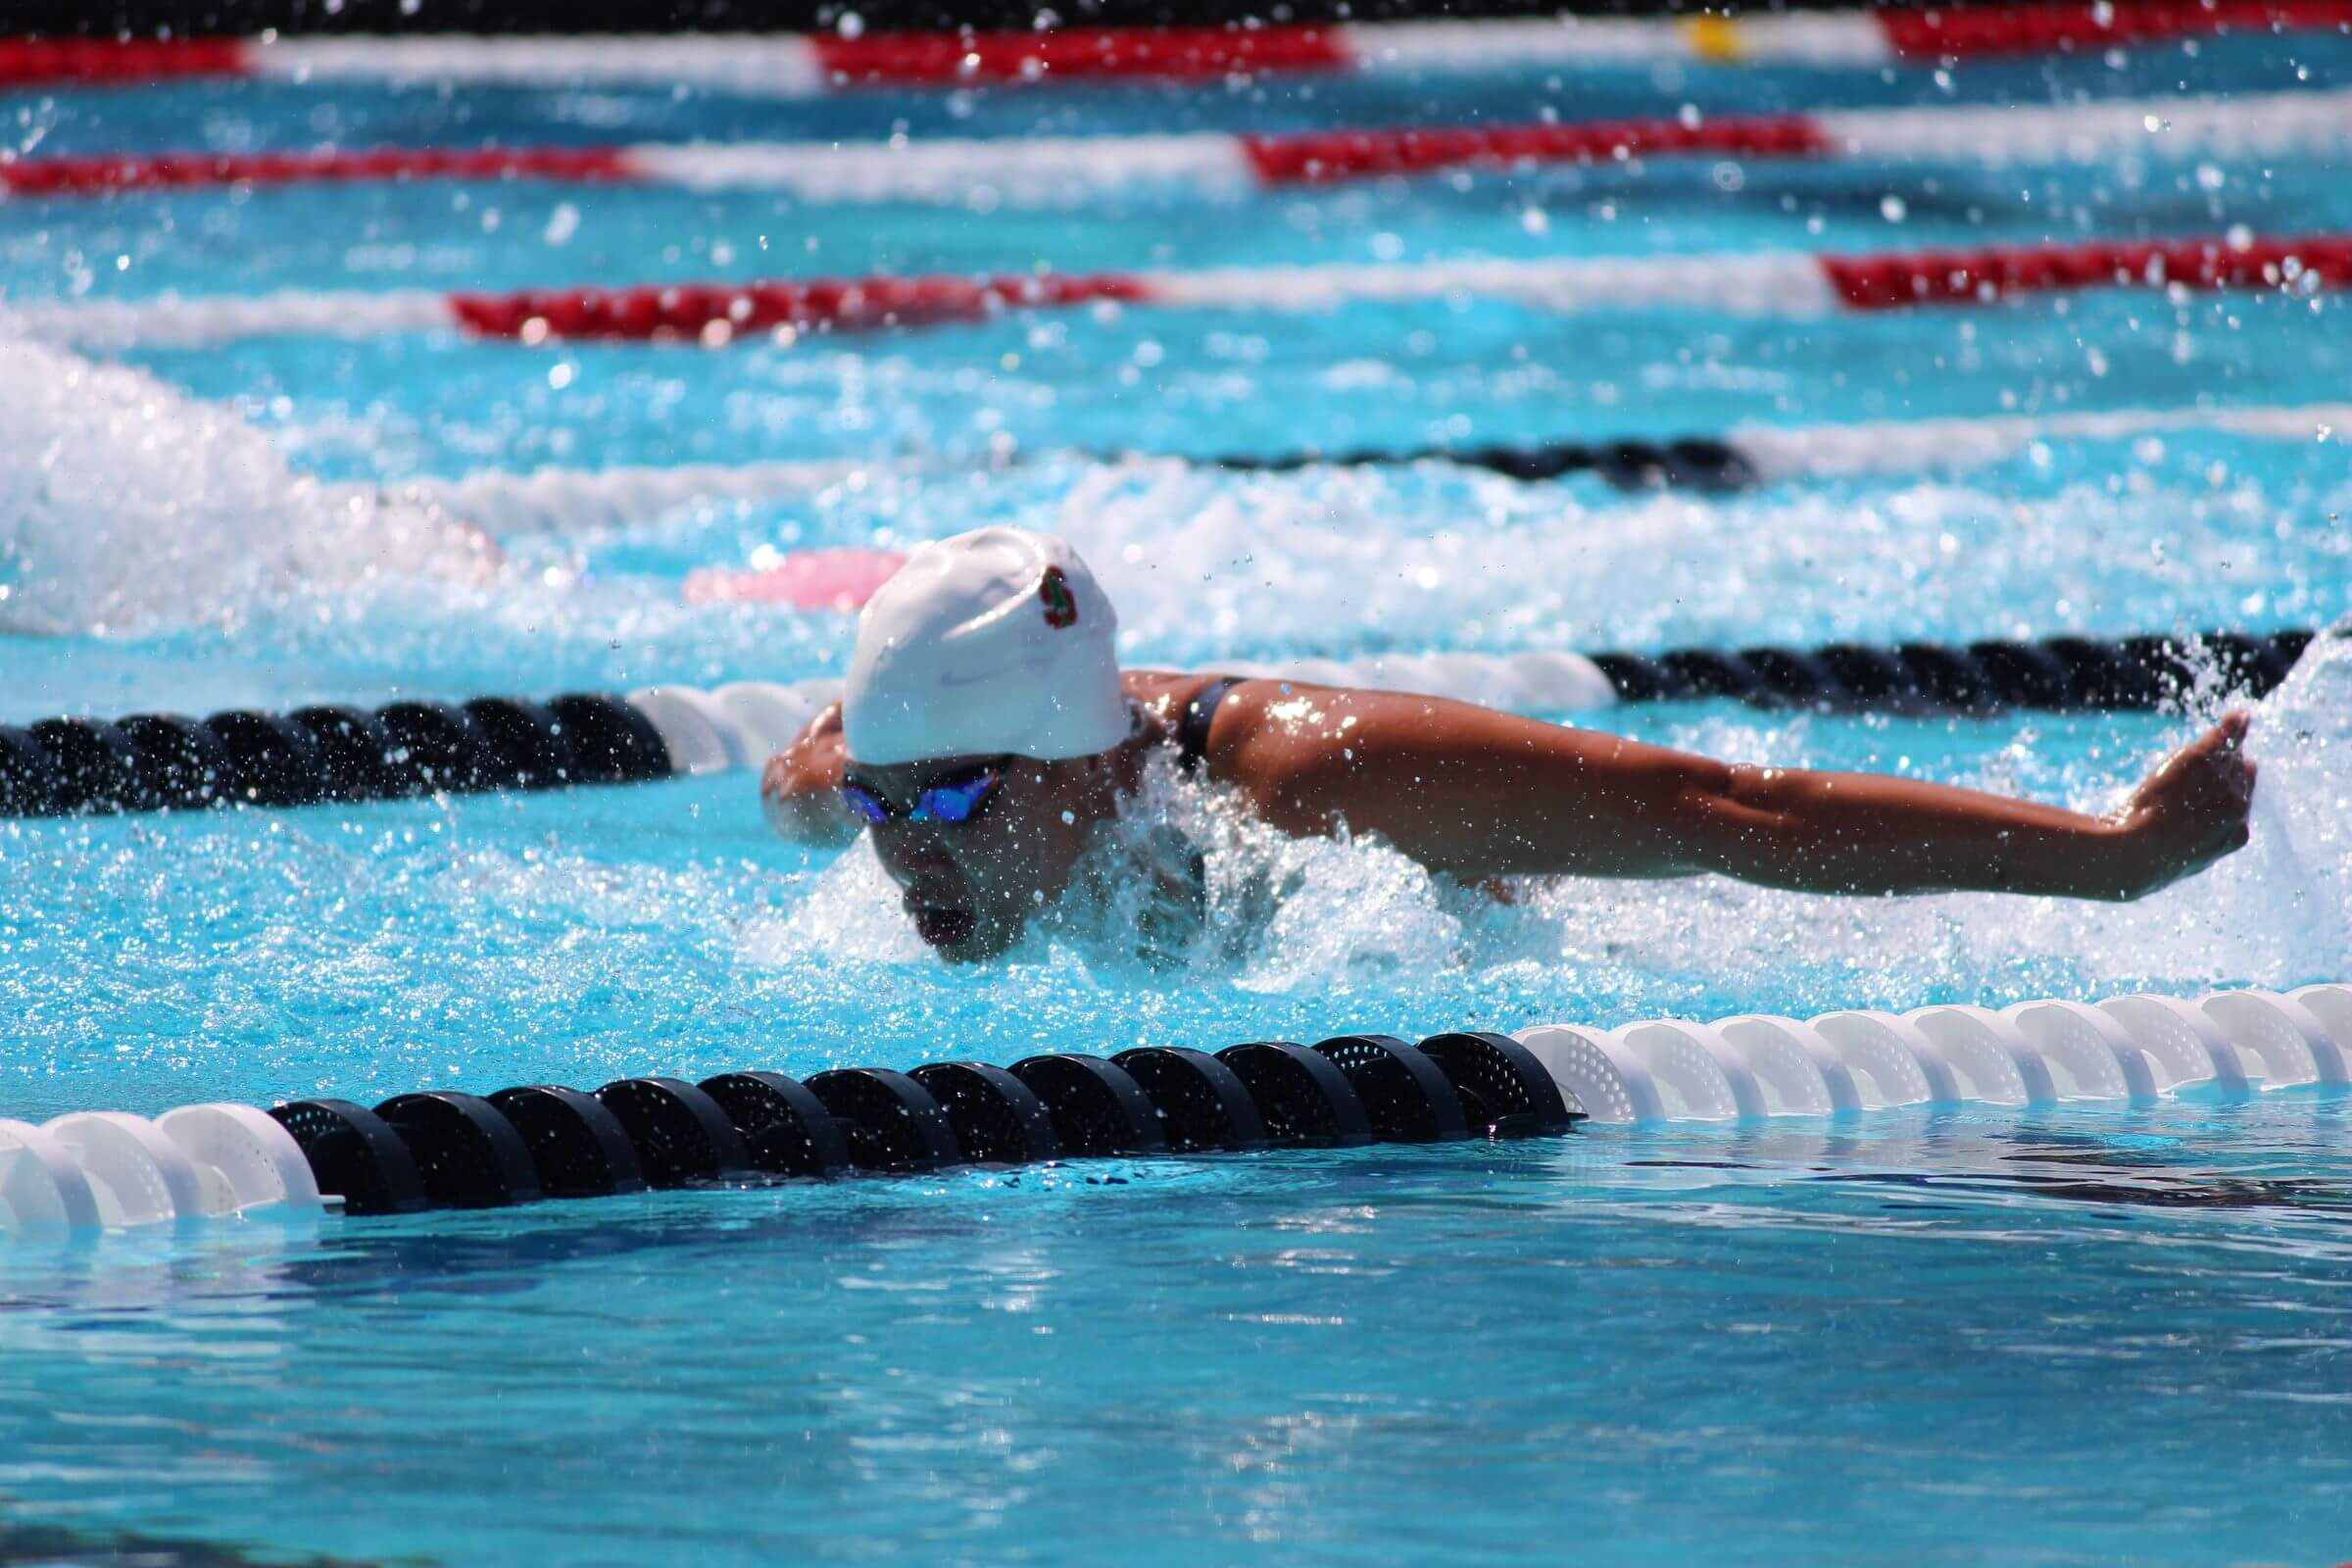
{"x":806,"y":579}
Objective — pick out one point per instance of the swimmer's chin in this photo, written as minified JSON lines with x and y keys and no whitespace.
{"x":961,"y":937}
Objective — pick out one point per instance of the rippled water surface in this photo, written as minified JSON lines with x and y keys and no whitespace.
{"x":2079,"y":1336}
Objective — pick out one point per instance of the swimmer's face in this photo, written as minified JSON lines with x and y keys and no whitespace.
{"x":970,"y":887}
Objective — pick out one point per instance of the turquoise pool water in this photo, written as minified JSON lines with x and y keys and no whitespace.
{"x":2083,"y":1335}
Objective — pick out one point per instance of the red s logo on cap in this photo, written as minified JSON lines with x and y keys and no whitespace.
{"x":1062,"y":606}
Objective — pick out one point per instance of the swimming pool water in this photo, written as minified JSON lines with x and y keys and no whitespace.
{"x":2081,"y":1335}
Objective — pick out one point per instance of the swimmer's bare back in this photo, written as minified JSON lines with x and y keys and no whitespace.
{"x":1475,"y":793}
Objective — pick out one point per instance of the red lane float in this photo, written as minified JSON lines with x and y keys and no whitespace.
{"x":1333,"y":157}
{"x":785,"y":64}
{"x":1994,"y":271}
{"x":1058,"y":170}
{"x":118,"y":62}
{"x":1154,"y":54}
{"x":106,"y":174}
{"x":1756,"y":283}
{"x":1967,"y":31}
{"x":718,"y":311}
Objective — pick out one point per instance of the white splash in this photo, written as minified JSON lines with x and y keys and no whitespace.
{"x":1324,"y":917}
{"x":1205,"y":566}
{"x":127,"y":506}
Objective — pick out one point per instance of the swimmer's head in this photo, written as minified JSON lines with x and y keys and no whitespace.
{"x":982,"y":708}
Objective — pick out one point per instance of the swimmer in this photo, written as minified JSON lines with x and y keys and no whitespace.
{"x":986,"y":732}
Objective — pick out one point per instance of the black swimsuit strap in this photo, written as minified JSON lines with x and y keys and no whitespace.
{"x":1192,"y":726}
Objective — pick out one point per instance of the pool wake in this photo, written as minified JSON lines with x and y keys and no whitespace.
{"x":1329,"y":563}
{"x":127,"y":506}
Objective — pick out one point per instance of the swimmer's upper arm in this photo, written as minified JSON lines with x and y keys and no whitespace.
{"x":799,"y":788}
{"x":1461,"y":788}
{"x":1478,"y":793}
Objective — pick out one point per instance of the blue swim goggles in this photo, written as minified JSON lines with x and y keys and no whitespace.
{"x":956,"y":800}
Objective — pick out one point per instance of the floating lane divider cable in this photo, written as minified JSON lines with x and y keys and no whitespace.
{"x":569,"y":501}
{"x":1791,"y":284}
{"x":1067,"y":170}
{"x":156,"y":761}
{"x":445,"y":1150}
{"x":440,"y":1149}
{"x":804,"y":65}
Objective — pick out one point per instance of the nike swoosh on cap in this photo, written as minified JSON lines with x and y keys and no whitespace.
{"x":994,"y":672}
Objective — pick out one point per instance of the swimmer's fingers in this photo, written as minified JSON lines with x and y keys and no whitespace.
{"x":2217,"y":753}
{"x":774,"y":777}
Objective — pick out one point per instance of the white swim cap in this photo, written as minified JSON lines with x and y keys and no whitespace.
{"x":995,"y":642}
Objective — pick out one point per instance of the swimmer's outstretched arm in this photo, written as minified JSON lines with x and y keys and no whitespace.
{"x":1477,"y":793}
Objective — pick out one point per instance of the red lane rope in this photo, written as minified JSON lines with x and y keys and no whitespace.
{"x":1979,"y":275}
{"x":105,"y":172}
{"x":2049,"y":28}
{"x":1160,"y":54}
{"x":98,"y":62}
{"x":656,"y":313}
{"x":1320,"y":158}
{"x":1197,"y":54}
{"x":1995,"y":271}
{"x":1332,"y":157}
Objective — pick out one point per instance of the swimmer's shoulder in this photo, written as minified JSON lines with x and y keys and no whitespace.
{"x":1232,"y":706}
{"x":1160,"y":696}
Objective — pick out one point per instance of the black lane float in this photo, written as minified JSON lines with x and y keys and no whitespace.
{"x":168,"y":762}
{"x":444,"y":1149}
{"x":1704,"y":464}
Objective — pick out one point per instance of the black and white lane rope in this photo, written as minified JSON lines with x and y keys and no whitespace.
{"x":443,"y":1148}
{"x":155,"y":761}
{"x":572,"y":501}
{"x":440,"y":1149}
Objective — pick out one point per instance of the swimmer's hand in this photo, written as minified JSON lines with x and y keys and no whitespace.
{"x":2189,"y":814}
{"x":800,"y":789}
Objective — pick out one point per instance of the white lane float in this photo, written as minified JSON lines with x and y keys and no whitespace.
{"x":2185,"y":1047}
{"x":1696,"y":1063}
{"x":111,"y":1170}
{"x":244,"y":1160}
{"x":700,"y":736}
{"x":1597,"y":1071}
{"x":1887,"y":1043}
{"x":1992,"y":1064}
{"x":1884,"y":1069}
{"x":771,"y":713}
{"x":41,"y":1185}
{"x":2075,"y":1033}
{"x":2333,"y":1007}
{"x":2280,"y":1029}
{"x":738,"y":725}
{"x":1801,"y":1069}
{"x":2131,"y":1049}
{"x":138,"y":1175}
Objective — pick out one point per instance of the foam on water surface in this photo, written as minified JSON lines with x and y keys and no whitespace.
{"x":126,"y":504}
